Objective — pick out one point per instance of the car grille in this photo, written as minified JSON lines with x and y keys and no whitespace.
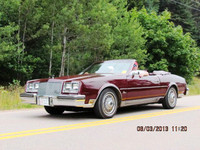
{"x":49,"y":88}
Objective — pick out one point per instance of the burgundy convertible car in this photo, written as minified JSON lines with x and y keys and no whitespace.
{"x":105,"y":87}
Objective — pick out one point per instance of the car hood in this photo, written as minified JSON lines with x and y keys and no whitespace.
{"x":71,"y":78}
{"x":80,"y":77}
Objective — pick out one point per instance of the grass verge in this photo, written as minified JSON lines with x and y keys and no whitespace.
{"x":9,"y":99}
{"x":194,"y":87}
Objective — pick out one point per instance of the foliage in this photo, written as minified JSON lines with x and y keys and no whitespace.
{"x":32,"y":35}
{"x":168,"y":47}
{"x":128,"y":39}
{"x":8,"y":37}
{"x":150,"y":5}
{"x":184,"y":15}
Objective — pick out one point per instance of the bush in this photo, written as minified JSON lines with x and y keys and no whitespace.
{"x":168,"y":47}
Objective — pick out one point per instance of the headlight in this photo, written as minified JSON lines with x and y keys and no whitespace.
{"x":32,"y":87}
{"x":70,"y":87}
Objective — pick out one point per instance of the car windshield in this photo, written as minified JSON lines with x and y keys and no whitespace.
{"x":108,"y":67}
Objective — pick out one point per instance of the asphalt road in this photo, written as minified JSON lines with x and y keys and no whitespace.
{"x":143,"y":127}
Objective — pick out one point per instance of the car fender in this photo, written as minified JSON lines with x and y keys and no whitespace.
{"x":170,"y":85}
{"x":109,"y":85}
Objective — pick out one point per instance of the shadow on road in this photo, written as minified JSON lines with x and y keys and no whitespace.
{"x":71,"y":115}
{"x":139,"y":108}
{"x":90,"y":114}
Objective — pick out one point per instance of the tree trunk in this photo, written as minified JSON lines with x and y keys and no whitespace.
{"x":51,"y":52}
{"x":18,"y":41}
{"x":52,"y":34}
{"x":19,"y":24}
{"x":62,"y":69}
{"x":24,"y":34}
{"x":23,"y":39}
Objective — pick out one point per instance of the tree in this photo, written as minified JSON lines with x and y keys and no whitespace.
{"x":150,"y":5}
{"x":41,"y":38}
{"x":168,"y":47}
{"x":128,"y":39}
{"x":135,"y":3}
{"x":89,"y":36}
{"x":8,"y":38}
{"x":195,"y":16}
{"x":183,"y":14}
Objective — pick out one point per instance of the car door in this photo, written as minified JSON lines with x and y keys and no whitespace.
{"x":144,"y":87}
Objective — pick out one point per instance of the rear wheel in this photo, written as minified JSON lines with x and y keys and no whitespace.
{"x":106,"y":105}
{"x":169,"y":102}
{"x":54,"y":110}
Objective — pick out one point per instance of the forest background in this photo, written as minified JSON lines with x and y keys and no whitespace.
{"x":44,"y":38}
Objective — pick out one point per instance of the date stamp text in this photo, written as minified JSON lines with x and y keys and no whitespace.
{"x":162,"y":128}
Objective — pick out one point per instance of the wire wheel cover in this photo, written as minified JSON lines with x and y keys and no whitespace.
{"x":109,"y":104}
{"x":172,"y":97}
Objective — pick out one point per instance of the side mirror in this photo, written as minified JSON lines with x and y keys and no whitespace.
{"x":135,"y":72}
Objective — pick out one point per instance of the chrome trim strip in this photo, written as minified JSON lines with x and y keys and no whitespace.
{"x":143,"y":97}
{"x":26,"y":95}
{"x":140,"y":101}
{"x":73,"y":97}
{"x":149,"y":87}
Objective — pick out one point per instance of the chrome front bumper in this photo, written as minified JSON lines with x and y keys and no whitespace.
{"x":61,"y":100}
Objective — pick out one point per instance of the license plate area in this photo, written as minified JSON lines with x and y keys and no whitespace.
{"x":44,"y":101}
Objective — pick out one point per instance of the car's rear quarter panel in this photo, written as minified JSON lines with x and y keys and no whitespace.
{"x":172,"y":79}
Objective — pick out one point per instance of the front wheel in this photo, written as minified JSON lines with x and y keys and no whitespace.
{"x":54,"y":110}
{"x":169,"y":102}
{"x":106,"y":105}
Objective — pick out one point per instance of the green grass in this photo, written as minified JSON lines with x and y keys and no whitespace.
{"x":9,"y":99}
{"x":194,"y":87}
